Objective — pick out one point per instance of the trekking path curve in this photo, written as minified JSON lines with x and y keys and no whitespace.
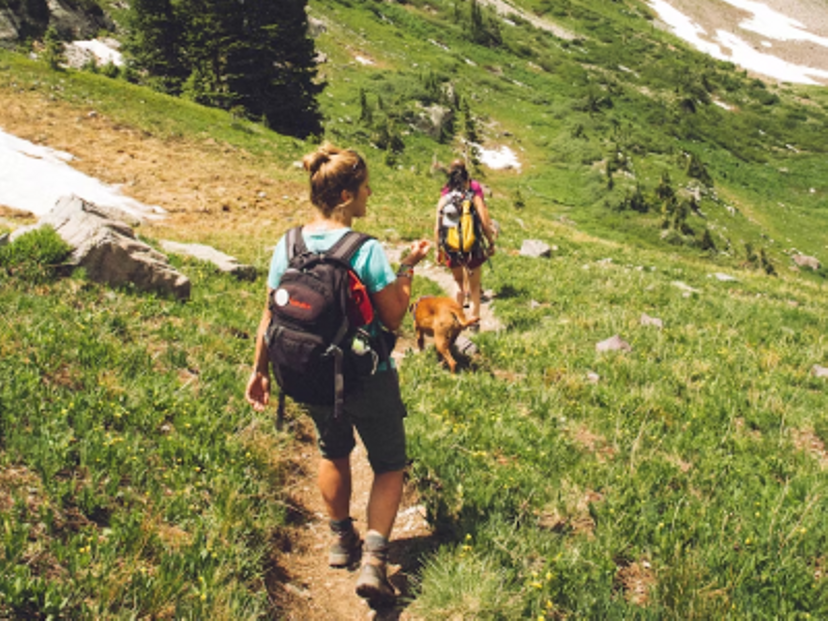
{"x":309,"y":590}
{"x":505,"y":10}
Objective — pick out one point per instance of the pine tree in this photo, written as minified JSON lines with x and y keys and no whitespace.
{"x":291,"y":106}
{"x":54,"y":52}
{"x":211,"y":27}
{"x":270,"y":67}
{"x":365,"y":113}
{"x":254,"y":55}
{"x":153,"y":45}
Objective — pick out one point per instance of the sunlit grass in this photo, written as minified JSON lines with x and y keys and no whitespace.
{"x":683,"y":479}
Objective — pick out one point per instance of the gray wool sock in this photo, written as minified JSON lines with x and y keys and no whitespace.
{"x":342,"y":526}
{"x":376,"y":544}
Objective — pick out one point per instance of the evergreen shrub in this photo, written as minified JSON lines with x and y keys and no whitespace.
{"x":34,"y":256}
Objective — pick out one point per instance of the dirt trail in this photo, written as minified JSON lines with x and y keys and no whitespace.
{"x":312,"y":591}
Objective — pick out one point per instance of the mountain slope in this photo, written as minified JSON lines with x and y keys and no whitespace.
{"x":682,"y":476}
{"x":623,"y":95}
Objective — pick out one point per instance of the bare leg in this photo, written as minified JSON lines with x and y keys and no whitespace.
{"x":372,"y":583}
{"x":334,"y":482}
{"x":474,"y":287}
{"x":459,"y":274}
{"x":386,"y":493}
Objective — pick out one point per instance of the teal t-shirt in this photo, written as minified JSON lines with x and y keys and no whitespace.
{"x":370,"y":263}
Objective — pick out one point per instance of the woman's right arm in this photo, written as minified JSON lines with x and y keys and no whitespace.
{"x":258,"y":386}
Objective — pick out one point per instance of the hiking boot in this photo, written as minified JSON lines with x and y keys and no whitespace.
{"x":346,"y":549}
{"x":372,"y":583}
{"x":373,"y":586}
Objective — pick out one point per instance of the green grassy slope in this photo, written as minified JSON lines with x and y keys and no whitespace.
{"x":623,"y":92}
{"x":682,"y":479}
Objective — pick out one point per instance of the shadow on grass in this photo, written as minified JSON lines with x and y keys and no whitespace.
{"x":409,"y":554}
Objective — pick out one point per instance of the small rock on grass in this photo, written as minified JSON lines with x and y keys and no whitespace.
{"x":819,"y":371}
{"x":646,"y":320}
{"x":614,"y":343}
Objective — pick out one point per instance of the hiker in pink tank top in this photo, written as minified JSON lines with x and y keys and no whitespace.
{"x":465,"y":266}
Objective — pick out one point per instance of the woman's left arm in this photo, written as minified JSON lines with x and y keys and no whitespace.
{"x":391,"y":302}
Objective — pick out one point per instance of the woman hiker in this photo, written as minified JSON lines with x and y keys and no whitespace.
{"x":339,"y":191}
{"x":466,"y":267}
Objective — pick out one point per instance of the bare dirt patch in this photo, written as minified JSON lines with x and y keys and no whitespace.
{"x":806,"y":440}
{"x":593,"y":442}
{"x":636,"y":580}
{"x":211,"y":191}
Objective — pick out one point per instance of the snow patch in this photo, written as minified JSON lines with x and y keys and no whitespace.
{"x":729,"y":47}
{"x":103,"y":51}
{"x":774,"y":25}
{"x":499,"y":159}
{"x":35,"y":177}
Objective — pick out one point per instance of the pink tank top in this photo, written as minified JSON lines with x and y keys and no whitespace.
{"x":474,"y":186}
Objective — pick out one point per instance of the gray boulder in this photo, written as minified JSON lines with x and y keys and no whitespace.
{"x":225,"y":263}
{"x":30,"y":18}
{"x":614,"y":343}
{"x":535,"y":248}
{"x":655,"y":322}
{"x":433,"y":120}
{"x":105,"y":246}
{"x":464,"y":346}
{"x":803,"y":260}
{"x":819,"y":371}
{"x":316,"y":27}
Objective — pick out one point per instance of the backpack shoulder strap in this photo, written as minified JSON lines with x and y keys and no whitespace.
{"x":295,"y":243}
{"x":346,"y":247}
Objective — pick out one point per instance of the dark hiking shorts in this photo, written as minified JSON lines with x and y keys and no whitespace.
{"x":376,"y":410}
{"x":470,"y":262}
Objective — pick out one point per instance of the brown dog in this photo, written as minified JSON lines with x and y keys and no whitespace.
{"x":442,"y":318}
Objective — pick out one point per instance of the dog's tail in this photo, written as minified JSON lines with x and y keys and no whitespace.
{"x":464,"y":323}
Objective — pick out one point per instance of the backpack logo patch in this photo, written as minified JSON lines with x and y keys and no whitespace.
{"x":282,"y":297}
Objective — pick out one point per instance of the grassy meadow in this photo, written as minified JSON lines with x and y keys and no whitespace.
{"x":684,"y":478}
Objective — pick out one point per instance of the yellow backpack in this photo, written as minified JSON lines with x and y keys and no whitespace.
{"x":460,"y":226}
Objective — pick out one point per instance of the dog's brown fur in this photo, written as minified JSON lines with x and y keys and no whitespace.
{"x":443,"y":319}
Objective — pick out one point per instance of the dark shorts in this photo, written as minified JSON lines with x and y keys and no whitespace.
{"x":376,"y":410}
{"x":470,"y":262}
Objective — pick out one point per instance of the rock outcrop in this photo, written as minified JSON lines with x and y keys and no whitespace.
{"x":105,"y":246}
{"x":22,"y":19}
{"x":535,"y":249}
{"x":223,"y":262}
{"x":803,"y":260}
